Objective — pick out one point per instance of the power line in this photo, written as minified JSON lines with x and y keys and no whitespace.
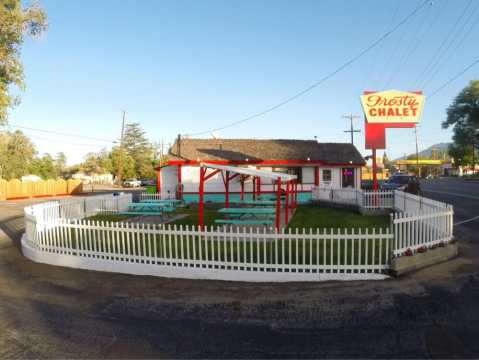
{"x":60,"y":133}
{"x":454,"y":78}
{"x":416,"y":38}
{"x":438,"y":54}
{"x":319,"y":82}
{"x":393,"y":54}
{"x":63,"y":141}
{"x":442,"y":61}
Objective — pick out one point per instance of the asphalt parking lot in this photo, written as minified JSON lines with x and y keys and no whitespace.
{"x":48,"y":311}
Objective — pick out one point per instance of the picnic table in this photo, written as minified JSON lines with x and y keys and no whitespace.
{"x":147,"y":209}
{"x":254,"y":202}
{"x":171,"y":202}
{"x":248,"y":215}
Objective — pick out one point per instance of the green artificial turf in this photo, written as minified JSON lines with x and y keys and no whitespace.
{"x":313,"y":216}
{"x":210,"y":214}
{"x":109,"y":217}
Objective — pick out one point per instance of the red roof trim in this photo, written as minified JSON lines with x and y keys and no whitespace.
{"x":256,"y":162}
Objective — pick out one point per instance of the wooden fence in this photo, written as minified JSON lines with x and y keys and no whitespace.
{"x":17,"y":189}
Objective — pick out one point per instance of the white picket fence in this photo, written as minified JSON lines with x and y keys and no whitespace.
{"x":248,"y":254}
{"x":78,"y":208}
{"x":150,"y":196}
{"x":421,"y":229}
{"x":57,"y":233}
{"x":410,"y":203}
{"x":417,"y":221}
{"x":383,"y":199}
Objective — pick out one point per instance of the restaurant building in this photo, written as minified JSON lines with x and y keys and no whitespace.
{"x":335,"y":165}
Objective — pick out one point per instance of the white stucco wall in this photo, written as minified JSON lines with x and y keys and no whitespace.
{"x":191,"y":175}
{"x":168,"y":181}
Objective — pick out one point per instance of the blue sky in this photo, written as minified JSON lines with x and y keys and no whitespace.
{"x":187,"y":66}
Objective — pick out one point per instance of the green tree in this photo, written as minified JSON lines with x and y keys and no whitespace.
{"x":16,"y":22}
{"x":387,"y":163}
{"x":44,"y":167}
{"x":61,"y":164}
{"x":462,"y":155}
{"x":137,"y":146}
{"x":128,"y":163}
{"x":16,"y":153}
{"x":463,"y":115}
{"x":91,"y":165}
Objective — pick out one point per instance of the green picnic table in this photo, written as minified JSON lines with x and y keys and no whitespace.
{"x":147,"y":209}
{"x":245,"y":215}
{"x":164,"y":201}
{"x":254,"y":202}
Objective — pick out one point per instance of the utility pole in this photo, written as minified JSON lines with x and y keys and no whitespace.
{"x":417,"y":153}
{"x":120,"y":159}
{"x":351,"y":117}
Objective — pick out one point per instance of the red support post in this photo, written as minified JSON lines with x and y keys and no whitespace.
{"x":242,"y":188}
{"x":278,"y":204}
{"x":375,"y":170}
{"x":227,"y":187}
{"x":286,"y":204}
{"x":258,"y":186}
{"x":316,"y":176}
{"x":293,"y":194}
{"x":179,"y":193}
{"x":201,"y":199}
{"x":158,"y":181}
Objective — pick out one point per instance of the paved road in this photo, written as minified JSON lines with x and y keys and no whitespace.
{"x":48,"y":311}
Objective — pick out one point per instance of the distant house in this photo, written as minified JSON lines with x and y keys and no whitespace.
{"x":335,"y":165}
{"x":31,"y":178}
{"x":106,"y":179}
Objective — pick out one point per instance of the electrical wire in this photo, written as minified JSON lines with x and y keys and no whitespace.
{"x":415,"y":42}
{"x":441,"y":63}
{"x":323,"y":79}
{"x":463,"y":71}
{"x":393,"y":54}
{"x":429,"y":66}
{"x":64,"y":142}
{"x":60,"y":133}
{"x":370,"y":75}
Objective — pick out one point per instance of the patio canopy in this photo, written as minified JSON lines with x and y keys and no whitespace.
{"x":289,"y":193}
{"x":252,"y":172}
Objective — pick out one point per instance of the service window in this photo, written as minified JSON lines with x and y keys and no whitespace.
{"x":298,"y":171}
{"x":347,"y":177}
{"x":326,"y":175}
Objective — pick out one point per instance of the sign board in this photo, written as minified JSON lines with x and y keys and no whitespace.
{"x":392,"y":106}
{"x":389,"y":109}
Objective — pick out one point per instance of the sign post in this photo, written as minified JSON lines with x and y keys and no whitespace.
{"x":388,"y":109}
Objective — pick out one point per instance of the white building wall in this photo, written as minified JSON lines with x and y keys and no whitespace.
{"x":308,"y":175}
{"x":357,"y":177}
{"x":335,"y":177}
{"x":190,"y":176}
{"x":169,"y":181}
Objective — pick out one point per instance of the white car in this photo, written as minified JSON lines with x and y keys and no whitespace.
{"x":132,"y":183}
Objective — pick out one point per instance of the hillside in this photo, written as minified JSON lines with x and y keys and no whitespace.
{"x":426,"y":153}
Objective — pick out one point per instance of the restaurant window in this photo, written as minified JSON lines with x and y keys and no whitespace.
{"x":326,"y":175}
{"x":347,"y":175}
{"x":298,"y":172}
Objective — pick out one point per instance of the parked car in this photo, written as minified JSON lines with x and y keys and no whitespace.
{"x":403,"y":182}
{"x":132,"y":183}
{"x":148,"y":182}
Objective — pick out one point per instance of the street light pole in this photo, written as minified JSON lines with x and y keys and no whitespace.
{"x":417,"y":153}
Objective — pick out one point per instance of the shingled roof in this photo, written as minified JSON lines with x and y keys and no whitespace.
{"x":258,"y":150}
